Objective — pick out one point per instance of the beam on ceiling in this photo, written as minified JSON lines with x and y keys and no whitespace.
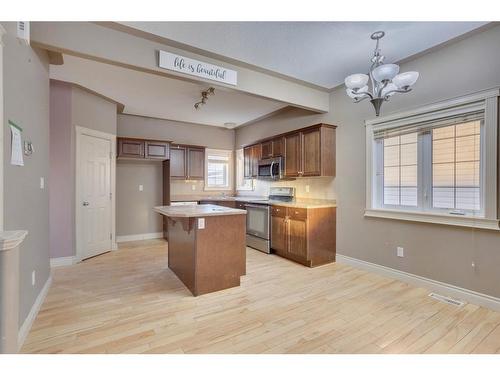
{"x":100,"y":43}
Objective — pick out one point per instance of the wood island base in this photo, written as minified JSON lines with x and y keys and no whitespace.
{"x":207,"y":259}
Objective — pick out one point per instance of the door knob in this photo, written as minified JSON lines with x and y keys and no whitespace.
{"x":85,"y":203}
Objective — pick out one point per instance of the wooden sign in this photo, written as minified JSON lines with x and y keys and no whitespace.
{"x":181,"y":64}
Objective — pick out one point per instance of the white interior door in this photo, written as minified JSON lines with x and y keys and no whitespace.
{"x":95,"y":195}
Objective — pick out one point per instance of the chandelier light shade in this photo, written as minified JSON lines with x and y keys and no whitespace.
{"x":356,"y":81}
{"x":406,"y":79}
{"x":385,"y":80}
{"x":385,"y":72}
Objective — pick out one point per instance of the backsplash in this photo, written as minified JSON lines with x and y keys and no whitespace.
{"x":181,"y":187}
{"x":319,"y":187}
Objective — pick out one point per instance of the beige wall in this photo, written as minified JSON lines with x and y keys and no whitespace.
{"x":70,"y":106}
{"x":175,"y":131}
{"x":92,"y":111}
{"x":62,"y":172}
{"x":439,"y":252}
{"x":26,"y":206}
{"x":134,"y":208}
{"x":136,"y":216}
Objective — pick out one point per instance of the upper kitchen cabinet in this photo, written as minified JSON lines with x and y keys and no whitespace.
{"x":256,"y":156}
{"x":157,"y":150}
{"x":310,"y":152}
{"x":195,"y":163}
{"x":306,"y":152}
{"x":293,"y":155}
{"x":272,"y":148}
{"x":187,"y":162}
{"x":178,"y":164}
{"x":251,"y":157}
{"x":267,"y":149}
{"x":133,"y":148}
{"x":130,"y":148}
{"x":278,"y":147}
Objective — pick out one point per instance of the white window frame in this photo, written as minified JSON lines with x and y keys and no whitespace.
{"x":225,"y":153}
{"x":242,"y":183}
{"x":486,"y":101}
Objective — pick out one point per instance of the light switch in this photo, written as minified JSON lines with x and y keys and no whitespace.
{"x":42,"y":183}
{"x":307,"y":188}
{"x":193,"y":187}
{"x":201,"y":223}
{"x":141,"y":187}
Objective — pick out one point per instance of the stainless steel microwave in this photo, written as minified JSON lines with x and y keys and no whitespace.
{"x":272,"y":169}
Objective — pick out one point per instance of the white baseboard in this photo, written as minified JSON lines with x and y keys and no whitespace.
{"x":139,"y":237}
{"x":471,"y":296}
{"x":28,"y":322}
{"x":62,"y":261}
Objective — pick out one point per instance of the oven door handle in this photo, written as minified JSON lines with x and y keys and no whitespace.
{"x":271,"y":169}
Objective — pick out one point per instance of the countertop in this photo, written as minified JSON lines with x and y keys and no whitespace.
{"x":298,"y":203}
{"x":201,"y":210}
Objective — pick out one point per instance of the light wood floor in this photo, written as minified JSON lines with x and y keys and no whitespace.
{"x":128,"y":301}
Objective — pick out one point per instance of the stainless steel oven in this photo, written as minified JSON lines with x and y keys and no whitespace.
{"x":272,"y":169}
{"x":258,"y":227}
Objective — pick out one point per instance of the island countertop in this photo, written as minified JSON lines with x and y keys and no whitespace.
{"x":200,"y":210}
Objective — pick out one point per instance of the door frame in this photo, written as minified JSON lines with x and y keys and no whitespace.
{"x":81,"y":131}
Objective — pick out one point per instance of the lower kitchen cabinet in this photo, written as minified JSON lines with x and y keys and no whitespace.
{"x":307,"y":236}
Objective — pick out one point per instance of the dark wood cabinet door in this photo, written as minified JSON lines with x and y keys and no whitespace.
{"x":178,"y":167}
{"x":293,"y":155}
{"x":247,"y":162}
{"x":297,"y":238}
{"x":256,"y":156}
{"x":278,"y":234}
{"x":267,"y":149}
{"x":278,"y":147}
{"x":196,"y":163}
{"x":157,"y":150}
{"x":311,"y":153}
{"x":130,"y":148}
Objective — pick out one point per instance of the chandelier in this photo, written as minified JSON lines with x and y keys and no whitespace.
{"x":384,"y":80}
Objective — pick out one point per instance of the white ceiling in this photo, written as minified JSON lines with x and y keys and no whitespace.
{"x":152,"y":95}
{"x":322,"y":53}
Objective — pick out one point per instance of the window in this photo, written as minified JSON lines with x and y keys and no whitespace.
{"x":218,"y":169}
{"x":242,"y":183}
{"x":437,"y":162}
{"x":449,"y":157}
{"x":400,"y":170}
{"x":456,"y":173}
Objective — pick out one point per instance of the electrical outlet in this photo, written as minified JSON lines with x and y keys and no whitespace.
{"x":42,"y":183}
{"x":307,"y":188}
{"x":193,"y":187}
{"x":201,"y":223}
{"x":400,"y":252}
{"x":33,"y":278}
{"x":141,"y":187}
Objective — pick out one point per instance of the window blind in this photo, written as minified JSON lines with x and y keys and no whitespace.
{"x":425,"y":126}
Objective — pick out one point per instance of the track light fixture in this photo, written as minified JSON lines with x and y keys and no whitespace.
{"x":204,"y":97}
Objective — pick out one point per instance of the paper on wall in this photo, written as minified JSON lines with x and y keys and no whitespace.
{"x":16,"y":156}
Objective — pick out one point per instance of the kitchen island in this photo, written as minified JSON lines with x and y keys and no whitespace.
{"x":206,"y":246}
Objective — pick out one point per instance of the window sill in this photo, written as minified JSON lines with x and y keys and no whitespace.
{"x":461,"y":221}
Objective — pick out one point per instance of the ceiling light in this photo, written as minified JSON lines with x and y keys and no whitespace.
{"x":204,"y":97}
{"x":384,"y":78}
